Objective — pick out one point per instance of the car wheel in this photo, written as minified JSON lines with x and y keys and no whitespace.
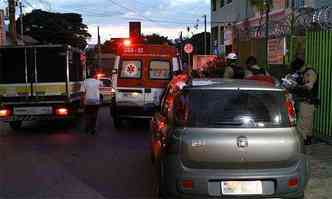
{"x":117,"y":122}
{"x":302,"y":197}
{"x":152,"y":157}
{"x":159,"y":180}
{"x":101,"y":99}
{"x":15,"y":125}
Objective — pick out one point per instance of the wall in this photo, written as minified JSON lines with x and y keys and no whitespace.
{"x":2,"y":29}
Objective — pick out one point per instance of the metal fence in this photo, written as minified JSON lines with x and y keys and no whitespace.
{"x":319,"y":55}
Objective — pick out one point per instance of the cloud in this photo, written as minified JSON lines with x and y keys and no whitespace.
{"x":166,"y":17}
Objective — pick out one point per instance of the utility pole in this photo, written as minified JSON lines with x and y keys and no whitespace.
{"x":181,"y":45}
{"x":98,"y":50}
{"x":267,"y":21}
{"x":21,"y":21}
{"x":205,"y":35}
{"x":12,"y":20}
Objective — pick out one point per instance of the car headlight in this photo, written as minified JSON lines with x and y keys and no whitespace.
{"x":135,"y":94}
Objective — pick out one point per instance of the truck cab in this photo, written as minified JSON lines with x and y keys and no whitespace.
{"x":142,"y":74}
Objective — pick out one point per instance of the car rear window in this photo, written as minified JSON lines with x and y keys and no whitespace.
{"x":131,"y":69}
{"x":160,"y":70}
{"x":231,"y":108}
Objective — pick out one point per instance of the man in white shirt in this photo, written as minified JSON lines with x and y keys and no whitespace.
{"x":91,"y":94}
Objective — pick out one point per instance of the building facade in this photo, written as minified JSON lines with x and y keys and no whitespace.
{"x":2,"y":29}
{"x":224,"y":13}
{"x":237,"y":26}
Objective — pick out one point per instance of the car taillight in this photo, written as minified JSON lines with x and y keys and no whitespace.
{"x":293,"y":183}
{"x":291,"y":111}
{"x":5,"y":112}
{"x":187,"y":184}
{"x":161,"y":126}
{"x":61,"y":111}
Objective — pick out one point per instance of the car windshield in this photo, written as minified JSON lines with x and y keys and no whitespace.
{"x":231,"y":108}
{"x":106,"y":82}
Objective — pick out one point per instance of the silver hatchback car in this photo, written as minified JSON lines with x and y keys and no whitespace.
{"x":230,"y":139}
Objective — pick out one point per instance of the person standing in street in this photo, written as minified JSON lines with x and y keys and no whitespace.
{"x":254,"y":72}
{"x":91,"y":94}
{"x":253,"y":68}
{"x":307,"y":95}
{"x":233,"y":70}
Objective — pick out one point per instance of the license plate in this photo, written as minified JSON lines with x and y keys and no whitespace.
{"x":33,"y":110}
{"x":127,"y":95}
{"x":242,"y":188}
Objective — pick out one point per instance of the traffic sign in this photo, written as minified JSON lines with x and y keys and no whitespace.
{"x":188,"y":48}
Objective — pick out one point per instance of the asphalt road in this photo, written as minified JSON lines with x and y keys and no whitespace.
{"x":57,"y":160}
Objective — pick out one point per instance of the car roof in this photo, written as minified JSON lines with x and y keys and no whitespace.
{"x":231,"y":84}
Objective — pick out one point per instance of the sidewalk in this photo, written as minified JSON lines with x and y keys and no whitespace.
{"x":319,"y":186}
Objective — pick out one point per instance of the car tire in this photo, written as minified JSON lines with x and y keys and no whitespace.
{"x":160,"y":181}
{"x":152,"y":157}
{"x":101,"y":99}
{"x":117,"y":122}
{"x":15,"y":125}
{"x":302,"y":197}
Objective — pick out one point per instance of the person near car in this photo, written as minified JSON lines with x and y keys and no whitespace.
{"x":255,"y":72}
{"x":233,"y":70}
{"x":91,"y":94}
{"x":307,"y":95}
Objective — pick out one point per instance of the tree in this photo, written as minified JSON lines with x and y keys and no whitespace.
{"x":156,"y":39}
{"x":56,"y":28}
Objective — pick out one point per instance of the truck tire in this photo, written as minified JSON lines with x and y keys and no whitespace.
{"x":15,"y":125}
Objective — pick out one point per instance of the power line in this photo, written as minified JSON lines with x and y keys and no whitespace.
{"x":130,"y":9}
{"x":106,"y":14}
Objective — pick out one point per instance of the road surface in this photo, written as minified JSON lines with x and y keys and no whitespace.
{"x":57,"y":160}
{"x":53,"y":160}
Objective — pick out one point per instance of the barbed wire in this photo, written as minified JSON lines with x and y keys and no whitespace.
{"x":314,"y":19}
{"x":305,"y":19}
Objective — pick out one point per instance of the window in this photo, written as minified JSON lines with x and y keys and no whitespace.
{"x":298,"y":4}
{"x":214,"y":31}
{"x":222,"y":3}
{"x":160,"y":70}
{"x":231,"y":108}
{"x":229,"y":1}
{"x":222,"y":35}
{"x":131,"y":69}
{"x":214,"y":5}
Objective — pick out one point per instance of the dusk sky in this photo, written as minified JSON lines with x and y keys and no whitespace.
{"x":165,"y":17}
